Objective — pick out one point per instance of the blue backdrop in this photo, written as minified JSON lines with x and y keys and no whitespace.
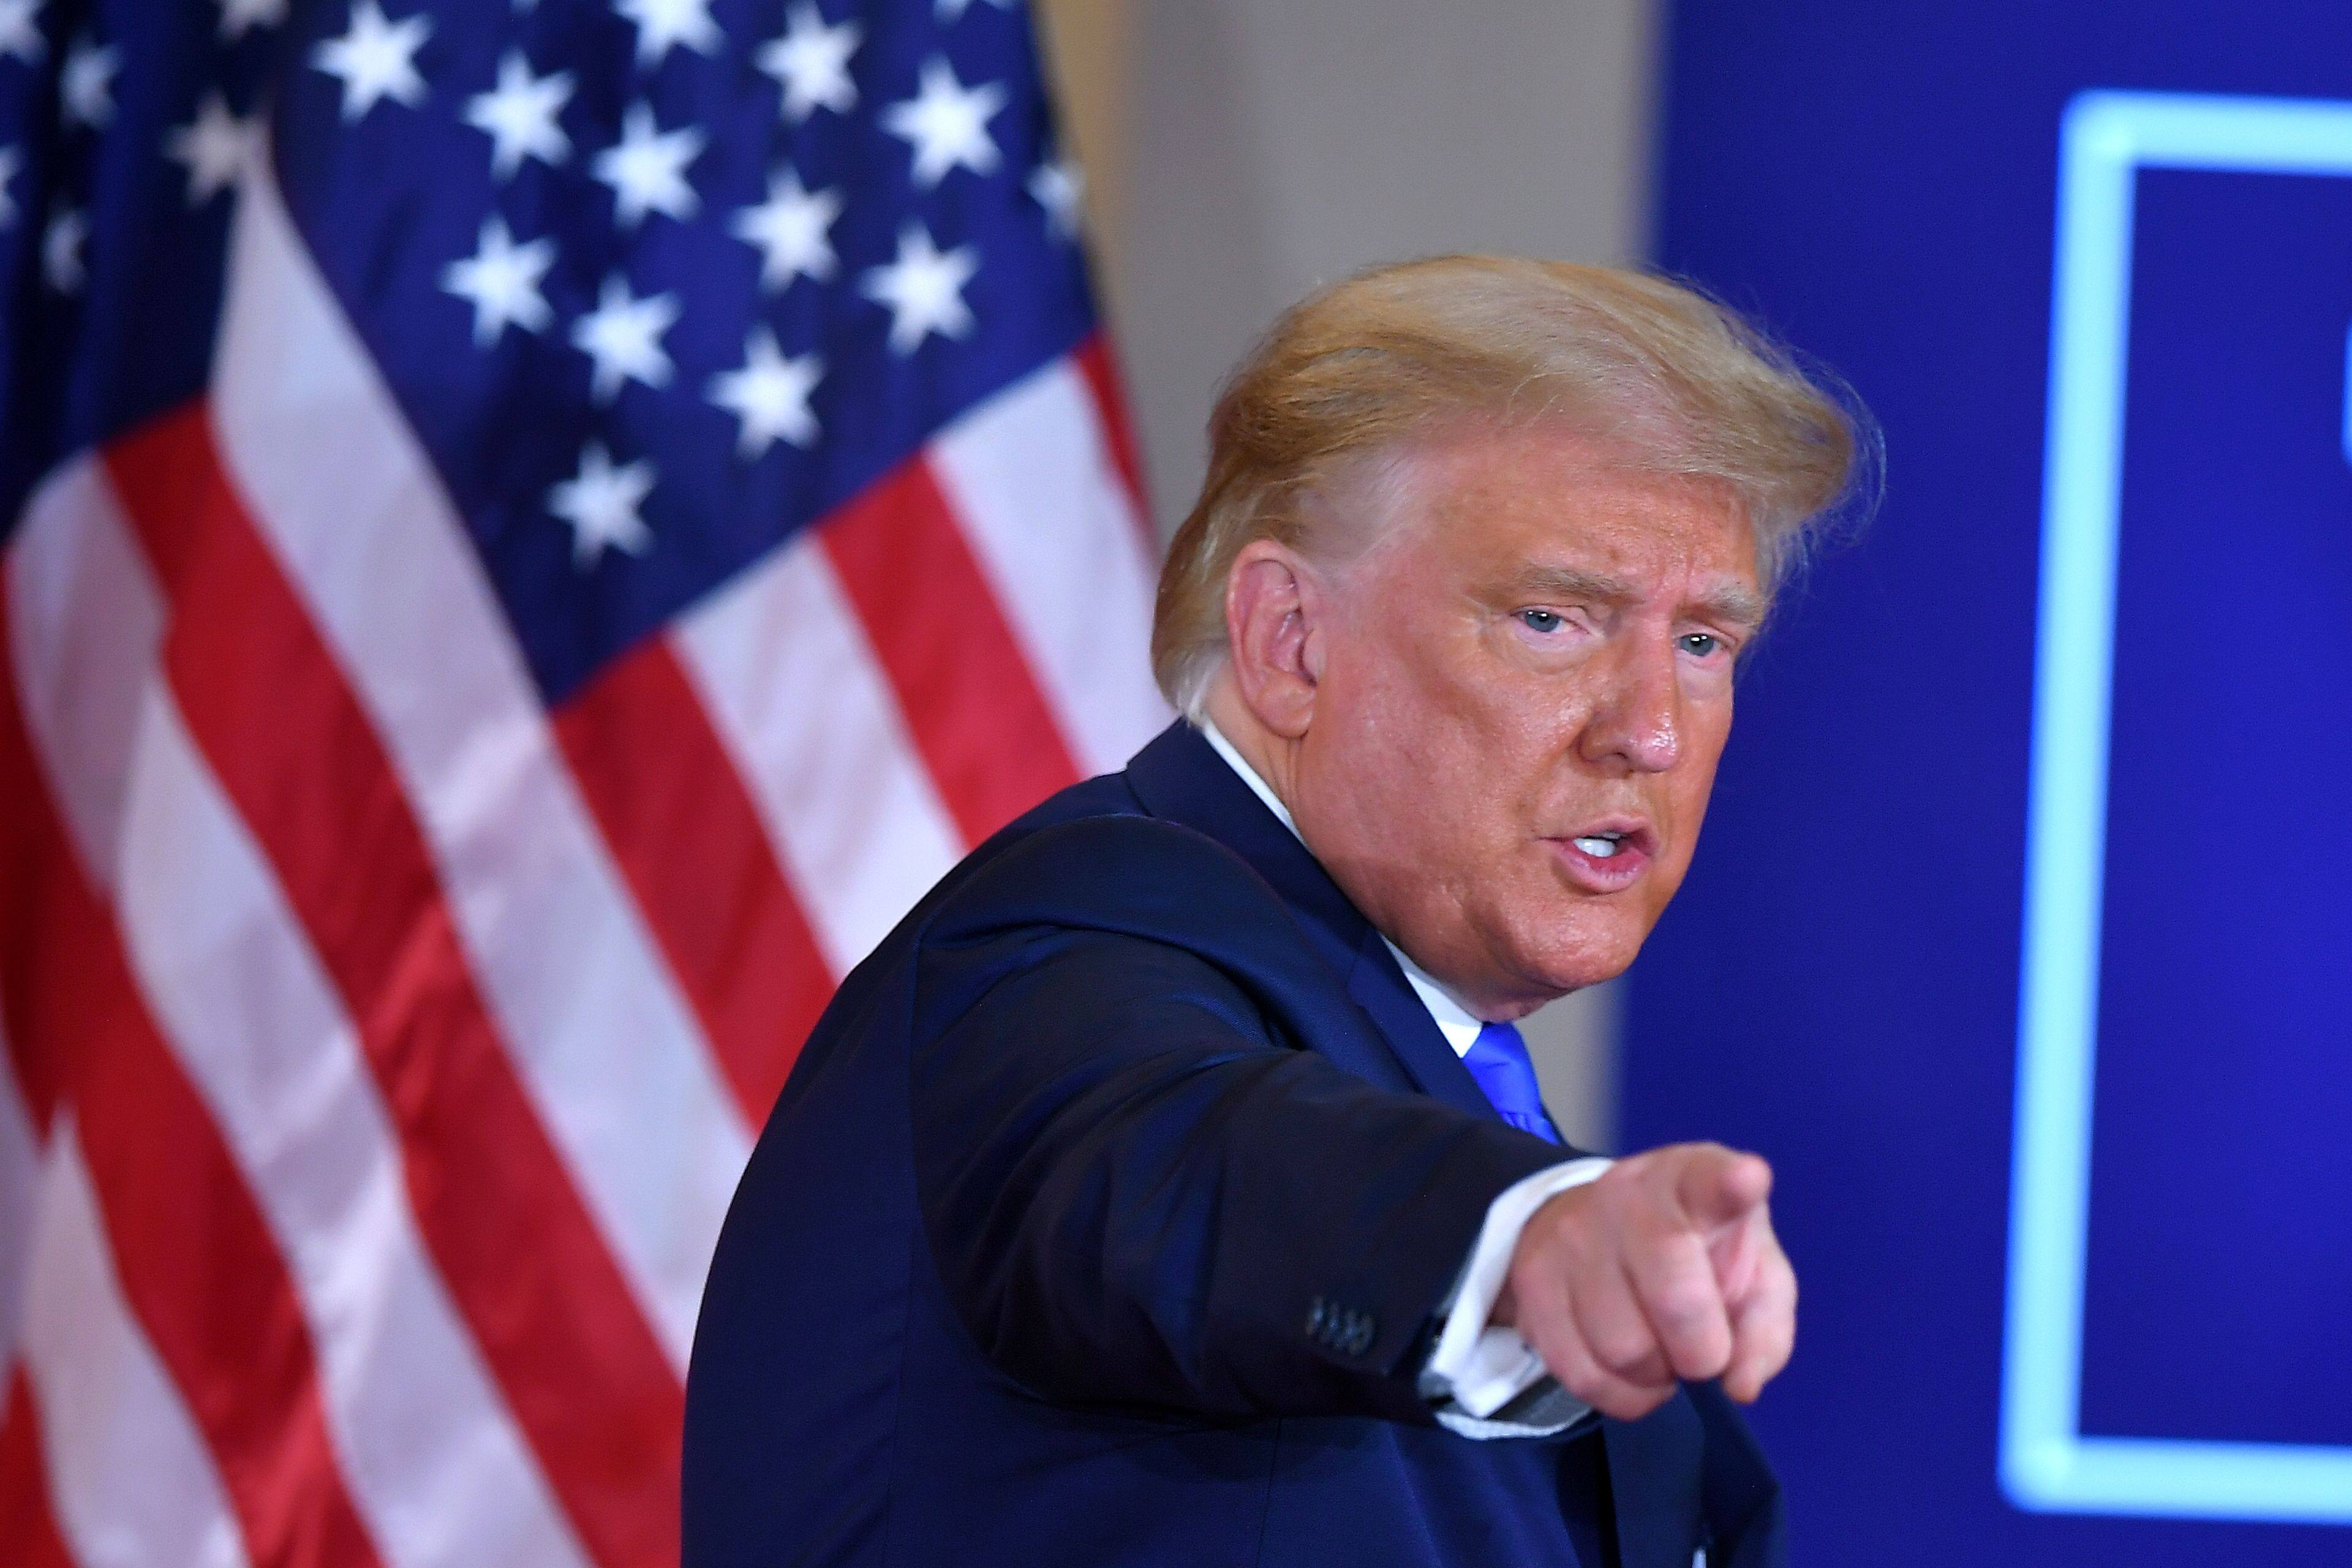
{"x":1839,"y":985}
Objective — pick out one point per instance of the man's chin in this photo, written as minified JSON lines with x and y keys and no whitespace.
{"x":1584,"y":954}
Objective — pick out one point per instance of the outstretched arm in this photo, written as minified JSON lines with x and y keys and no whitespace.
{"x":1138,"y":1194}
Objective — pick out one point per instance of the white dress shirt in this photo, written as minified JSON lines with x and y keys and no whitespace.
{"x":1483,"y":1379}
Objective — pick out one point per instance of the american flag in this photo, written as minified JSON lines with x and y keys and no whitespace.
{"x":535,"y":531}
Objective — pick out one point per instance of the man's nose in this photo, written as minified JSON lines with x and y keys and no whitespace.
{"x":1636,"y":723}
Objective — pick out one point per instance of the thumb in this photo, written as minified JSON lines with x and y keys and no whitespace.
{"x":1717,"y":1186}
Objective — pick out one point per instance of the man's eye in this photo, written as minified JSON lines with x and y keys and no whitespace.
{"x":1541,"y":620}
{"x":1701,"y":645}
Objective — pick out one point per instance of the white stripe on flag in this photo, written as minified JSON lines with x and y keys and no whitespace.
{"x":432,"y":1455}
{"x":20,"y":1192}
{"x":85,"y":625}
{"x":355,"y":512}
{"x":794,"y":694}
{"x":427,"y":1445}
{"x":130,"y":1483}
{"x":1029,"y":474}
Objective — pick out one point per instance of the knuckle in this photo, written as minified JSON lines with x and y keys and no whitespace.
{"x":1639,"y":1402}
{"x":1762,"y":1356}
{"x":1624,"y":1352}
{"x":1587,"y":1383}
{"x":1684,"y":1300}
{"x":1562,"y":1221}
{"x":1713,"y":1362}
{"x":1703,"y":1351}
{"x":1526,"y":1275}
{"x":1609,"y":1396}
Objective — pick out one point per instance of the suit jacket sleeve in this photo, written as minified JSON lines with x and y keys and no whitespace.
{"x":1138,"y":1188}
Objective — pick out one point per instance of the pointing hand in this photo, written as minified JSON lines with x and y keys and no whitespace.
{"x":1663,"y":1269}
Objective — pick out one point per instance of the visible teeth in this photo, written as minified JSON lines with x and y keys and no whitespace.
{"x":1599,"y":848}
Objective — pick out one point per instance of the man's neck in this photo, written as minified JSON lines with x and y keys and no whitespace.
{"x":1265,"y":755}
{"x":1454,"y":1021}
{"x":1223,"y":744}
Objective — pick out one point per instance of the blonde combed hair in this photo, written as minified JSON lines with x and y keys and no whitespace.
{"x":1679,"y":383}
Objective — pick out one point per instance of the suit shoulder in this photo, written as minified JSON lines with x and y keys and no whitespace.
{"x":1120,"y":873}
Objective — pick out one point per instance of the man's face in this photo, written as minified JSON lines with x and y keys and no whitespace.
{"x":1524,"y":688}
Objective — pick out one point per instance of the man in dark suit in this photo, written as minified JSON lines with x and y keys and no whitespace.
{"x":1171,"y":1186}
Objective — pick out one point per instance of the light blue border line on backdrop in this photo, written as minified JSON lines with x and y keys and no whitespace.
{"x":2046,"y":1463}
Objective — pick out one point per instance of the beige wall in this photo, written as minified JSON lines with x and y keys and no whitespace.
{"x":1240,"y":151}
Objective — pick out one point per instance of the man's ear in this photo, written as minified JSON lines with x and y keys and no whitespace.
{"x":1274,"y":606}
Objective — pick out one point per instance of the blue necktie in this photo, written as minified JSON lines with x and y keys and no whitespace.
{"x":1498,"y":1060}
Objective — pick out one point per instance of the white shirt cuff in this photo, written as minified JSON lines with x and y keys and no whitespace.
{"x":1479,"y":1368}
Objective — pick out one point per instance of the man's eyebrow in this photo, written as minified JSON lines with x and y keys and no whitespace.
{"x":1728,"y":602}
{"x":1574,"y":583}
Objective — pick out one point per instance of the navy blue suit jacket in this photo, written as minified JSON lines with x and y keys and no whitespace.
{"x":1104,"y":1220}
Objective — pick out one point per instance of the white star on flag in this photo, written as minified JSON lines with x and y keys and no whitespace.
{"x":663,"y":24}
{"x":622,"y":335}
{"x":600,"y":504}
{"x":1058,"y":186}
{"x":923,"y":289}
{"x":789,"y":231}
{"x":520,"y":115}
{"x":376,"y":59}
{"x":500,"y":279}
{"x":20,"y":31}
{"x":239,"y":16}
{"x":61,"y":249}
{"x":86,"y":83}
{"x":953,"y":10}
{"x":11,"y":160}
{"x":647,"y":169}
{"x":769,"y":396}
{"x":811,"y":63}
{"x":946,"y":123}
{"x":211,"y":147}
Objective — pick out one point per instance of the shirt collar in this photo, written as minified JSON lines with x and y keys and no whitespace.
{"x":1456,"y":1023}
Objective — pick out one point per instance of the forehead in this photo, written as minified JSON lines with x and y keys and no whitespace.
{"x":1489,"y":501}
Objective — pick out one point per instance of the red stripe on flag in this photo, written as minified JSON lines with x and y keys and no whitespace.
{"x":197,"y":1263}
{"x":976,"y":716}
{"x":269,"y":708}
{"x":39,"y":974}
{"x":1100,"y":365}
{"x":684,"y":830}
{"x":28,"y":1533}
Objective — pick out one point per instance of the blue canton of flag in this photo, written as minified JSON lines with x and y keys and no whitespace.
{"x":530,"y":535}
{"x":772,"y":270}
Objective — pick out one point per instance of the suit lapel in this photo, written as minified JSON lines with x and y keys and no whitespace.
{"x":1380,"y":988}
{"x":1179,"y":777}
